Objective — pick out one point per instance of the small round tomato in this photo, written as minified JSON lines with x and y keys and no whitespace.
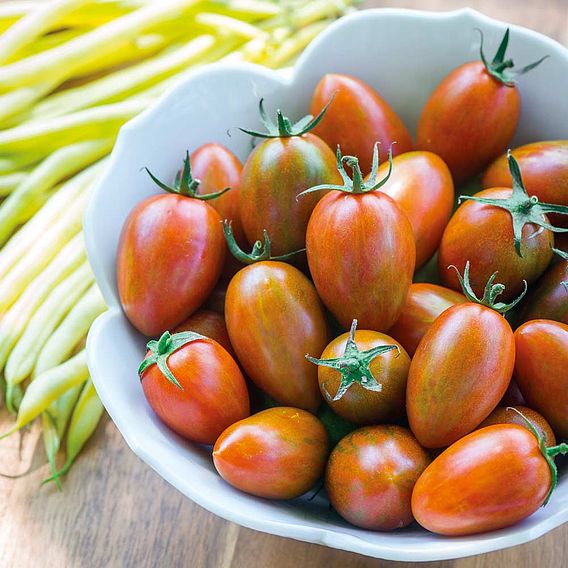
{"x":488,"y":480}
{"x":278,"y":453}
{"x":274,"y":317}
{"x":503,"y":415}
{"x":289,"y":161}
{"x":193,"y":385}
{"x":424,"y":303}
{"x":361,"y":251}
{"x":210,"y":324}
{"x":545,"y":173}
{"x":362,"y":375}
{"x":370,"y":476}
{"x":461,"y":369}
{"x":472,"y":115}
{"x":540,"y":370}
{"x":422,"y":185}
{"x":549,"y":298}
{"x":357,"y":118}
{"x":170,"y":256}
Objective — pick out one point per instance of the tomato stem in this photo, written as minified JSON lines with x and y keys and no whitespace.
{"x":354,"y":366}
{"x":284,"y":128}
{"x":260,"y":251}
{"x":501,"y":68}
{"x":356,"y":183}
{"x":523,"y":209}
{"x":160,"y":351}
{"x":185,"y":184}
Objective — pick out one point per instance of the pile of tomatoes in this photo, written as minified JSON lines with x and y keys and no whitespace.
{"x":406,"y":415}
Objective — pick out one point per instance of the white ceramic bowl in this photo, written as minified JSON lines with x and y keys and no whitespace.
{"x":403,"y":54}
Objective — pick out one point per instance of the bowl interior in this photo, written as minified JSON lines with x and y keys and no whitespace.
{"x":403,"y":54}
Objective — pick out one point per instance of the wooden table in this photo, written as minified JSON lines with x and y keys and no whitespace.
{"x":115,"y":511}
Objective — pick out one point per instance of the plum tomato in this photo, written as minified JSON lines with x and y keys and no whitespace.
{"x":473,"y":113}
{"x":360,"y":249}
{"x":210,"y":324}
{"x":288,"y":161}
{"x":540,"y":370}
{"x":370,"y":476}
{"x":461,"y":369}
{"x":279,"y":453}
{"x":362,"y":376}
{"x":194,"y":386}
{"x":424,"y":303}
{"x":170,"y":256}
{"x":422,"y":185}
{"x":488,"y":480}
{"x":357,"y":118}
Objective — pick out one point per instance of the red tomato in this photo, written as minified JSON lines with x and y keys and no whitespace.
{"x":216,"y":301}
{"x":540,"y":370}
{"x":545,"y":173}
{"x":424,"y":303}
{"x":472,"y":115}
{"x":460,"y":371}
{"x":549,"y":298}
{"x":361,"y":252}
{"x":211,"y":395}
{"x":513,"y":396}
{"x":350,"y":382}
{"x":484,"y":234}
{"x":278,"y":453}
{"x":422,"y":185}
{"x":503,"y":415}
{"x":491,"y":479}
{"x":274,"y":317}
{"x":357,"y":118}
{"x":170,"y":256}
{"x":210,"y":324}
{"x":370,"y":476}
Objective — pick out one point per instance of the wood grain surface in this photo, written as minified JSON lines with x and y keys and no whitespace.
{"x":115,"y":511}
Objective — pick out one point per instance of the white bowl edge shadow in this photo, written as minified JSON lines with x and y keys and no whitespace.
{"x":158,"y":138}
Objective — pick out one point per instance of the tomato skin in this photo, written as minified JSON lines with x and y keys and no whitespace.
{"x":274,"y":174}
{"x":422,"y":185}
{"x":540,"y":370}
{"x":274,"y":317}
{"x":483,"y":234}
{"x":170,"y":256}
{"x":370,"y":476}
{"x":501,"y":415}
{"x":278,"y":453}
{"x":390,"y":369}
{"x":424,"y":303}
{"x":210,"y":324}
{"x":488,"y":480}
{"x":459,"y":373}
{"x":549,"y":298}
{"x":545,"y":173}
{"x":469,"y":120}
{"x":365,"y":241}
{"x":357,"y":118}
{"x":513,"y":396}
{"x":214,"y":394}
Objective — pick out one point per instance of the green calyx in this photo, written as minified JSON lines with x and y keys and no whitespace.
{"x":490,"y":294}
{"x":354,"y":366}
{"x":185,"y":184}
{"x":160,"y":351}
{"x":283,"y":127}
{"x":501,"y":68}
{"x":260,"y":251}
{"x":523,"y":209}
{"x":548,"y":453}
{"x":356,"y":184}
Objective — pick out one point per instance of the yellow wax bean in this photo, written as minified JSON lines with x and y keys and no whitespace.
{"x":71,"y":330}
{"x":9,"y":182}
{"x":15,"y":320}
{"x":48,"y":387}
{"x":24,"y":356}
